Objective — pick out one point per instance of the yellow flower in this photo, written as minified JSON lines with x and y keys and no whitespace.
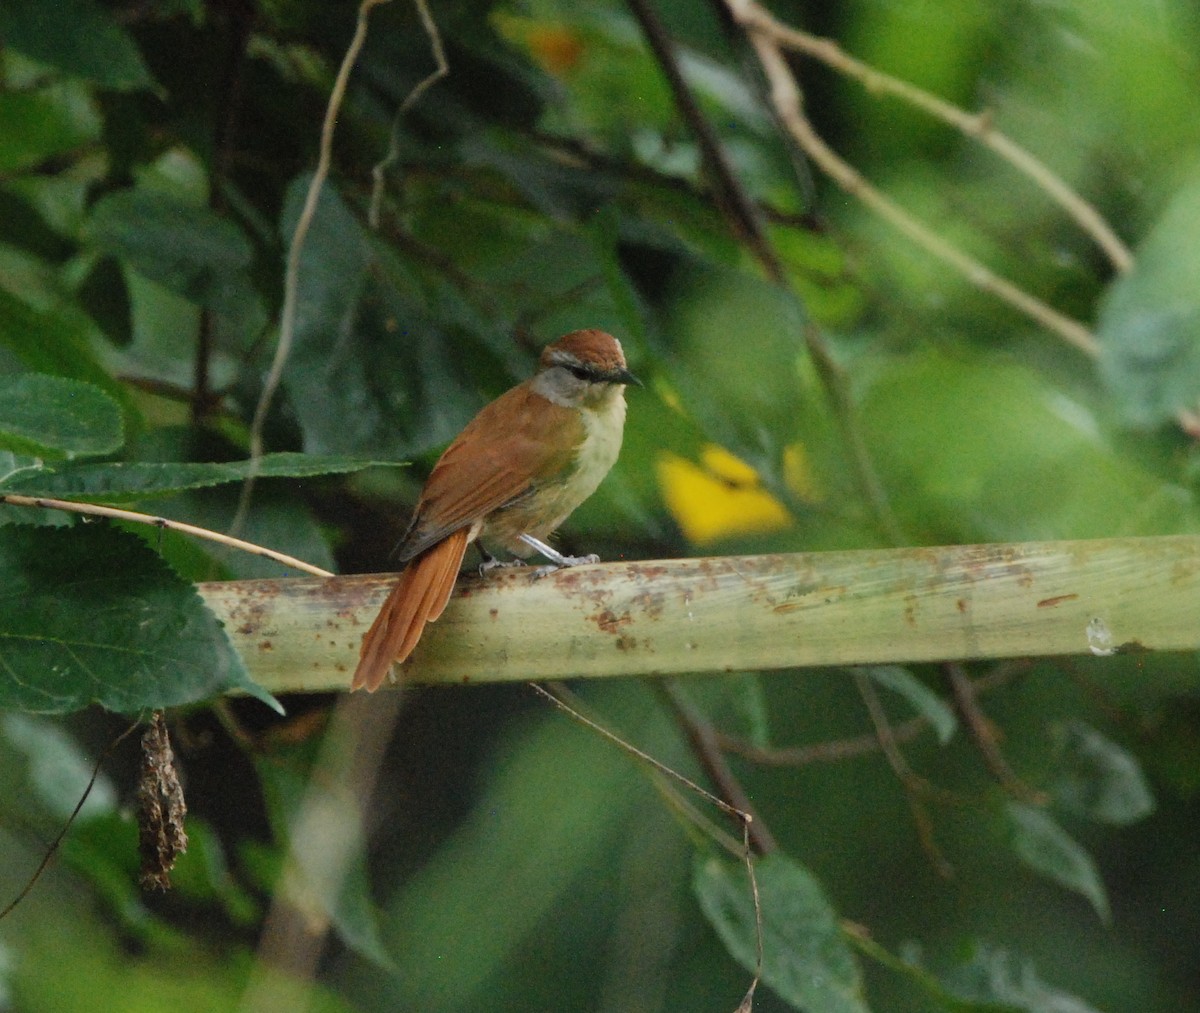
{"x":723,"y":496}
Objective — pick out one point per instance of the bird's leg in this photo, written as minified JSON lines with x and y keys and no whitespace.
{"x":557,"y":559}
{"x":490,"y":562}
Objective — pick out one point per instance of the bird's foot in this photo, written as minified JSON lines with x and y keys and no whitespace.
{"x":492,"y":563}
{"x":557,"y":559}
{"x":564,"y":561}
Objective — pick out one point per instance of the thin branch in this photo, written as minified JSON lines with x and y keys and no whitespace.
{"x":441,"y":69}
{"x":705,"y":745}
{"x":913,"y":782}
{"x":291,"y":277}
{"x":559,"y":695}
{"x":731,"y":197}
{"x":917,"y":789}
{"x":113,"y":513}
{"x":786,"y":99}
{"x":55,"y":844}
{"x":984,"y":736}
{"x":833,"y":751}
{"x":978,"y":126}
{"x":836,"y":750}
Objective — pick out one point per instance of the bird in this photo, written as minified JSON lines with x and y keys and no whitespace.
{"x":518,"y":469}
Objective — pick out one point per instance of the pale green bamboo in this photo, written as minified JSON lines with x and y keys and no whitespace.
{"x":733,"y":613}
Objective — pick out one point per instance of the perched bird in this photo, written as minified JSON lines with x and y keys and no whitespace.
{"x":512,"y":476}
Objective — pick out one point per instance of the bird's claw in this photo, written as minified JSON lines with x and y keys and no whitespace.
{"x":492,"y":563}
{"x":564,"y":561}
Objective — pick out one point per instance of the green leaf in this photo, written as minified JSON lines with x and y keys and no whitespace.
{"x":939,"y":997}
{"x":52,"y":343}
{"x":1097,"y":779}
{"x":36,"y":125}
{"x":202,"y":875}
{"x":1049,"y":850}
{"x":923,"y":700}
{"x":996,"y":975}
{"x":137,"y":480}
{"x":182,"y":245}
{"x":369,"y":371}
{"x":91,"y":615}
{"x":806,"y":960}
{"x":77,"y":37}
{"x":42,"y":414}
{"x":971,"y":458}
{"x":1149,"y":322}
{"x":57,"y":768}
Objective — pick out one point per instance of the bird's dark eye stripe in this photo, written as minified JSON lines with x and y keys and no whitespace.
{"x":583,"y":372}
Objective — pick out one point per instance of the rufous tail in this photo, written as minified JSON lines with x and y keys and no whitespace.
{"x":419,"y":597}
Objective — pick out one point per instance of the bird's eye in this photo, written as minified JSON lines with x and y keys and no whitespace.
{"x":581,"y":372}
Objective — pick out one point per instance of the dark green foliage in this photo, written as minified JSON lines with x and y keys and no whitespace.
{"x":154,"y":164}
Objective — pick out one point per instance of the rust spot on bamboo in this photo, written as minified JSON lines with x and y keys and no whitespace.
{"x":609,"y":622}
{"x":1058,"y":599}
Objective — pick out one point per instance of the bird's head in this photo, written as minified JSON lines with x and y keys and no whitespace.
{"x":582,"y":368}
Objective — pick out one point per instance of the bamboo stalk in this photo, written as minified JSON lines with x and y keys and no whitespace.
{"x":734,"y":613}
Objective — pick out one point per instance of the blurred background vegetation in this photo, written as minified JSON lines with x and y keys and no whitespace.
{"x":814,"y":381}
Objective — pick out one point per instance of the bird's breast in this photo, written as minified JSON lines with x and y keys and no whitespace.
{"x":556,"y":496}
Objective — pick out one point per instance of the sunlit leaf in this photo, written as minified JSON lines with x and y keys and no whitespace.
{"x":806,"y":960}
{"x":923,"y":700}
{"x":1097,"y":779}
{"x":77,"y":37}
{"x":1149,"y":326}
{"x":1049,"y":850}
{"x":42,"y":414}
{"x":996,"y":975}
{"x":137,"y":480}
{"x":971,"y":443}
{"x":38,"y":125}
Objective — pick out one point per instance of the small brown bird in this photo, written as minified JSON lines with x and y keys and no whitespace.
{"x":512,"y":476}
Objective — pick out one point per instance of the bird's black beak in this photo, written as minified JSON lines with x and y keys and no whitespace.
{"x":627,"y":378}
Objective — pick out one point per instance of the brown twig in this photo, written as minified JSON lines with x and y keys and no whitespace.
{"x":978,"y":126}
{"x":837,"y":750}
{"x":291,"y":275}
{"x":440,"y":70}
{"x":55,"y":844}
{"x":705,"y":745}
{"x":732,"y":200}
{"x":788,"y":104}
{"x":821,"y":752}
{"x":984,"y":735}
{"x":113,"y":513}
{"x":916,"y":788}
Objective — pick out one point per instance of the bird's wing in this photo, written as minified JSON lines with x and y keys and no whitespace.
{"x":514,"y":444}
